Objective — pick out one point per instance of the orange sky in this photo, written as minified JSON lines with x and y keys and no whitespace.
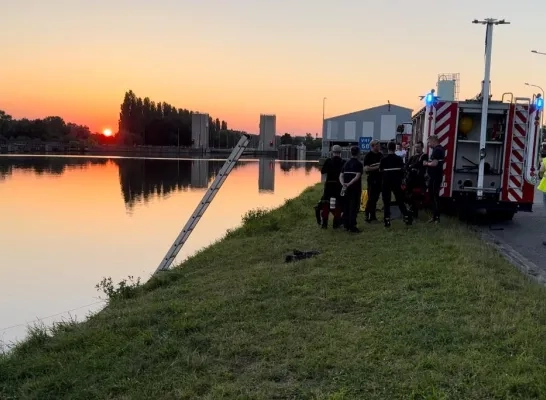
{"x":238,"y":59}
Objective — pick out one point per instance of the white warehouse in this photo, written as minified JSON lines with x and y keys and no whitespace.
{"x":376,"y":123}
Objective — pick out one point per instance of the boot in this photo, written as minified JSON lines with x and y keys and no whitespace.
{"x":337,"y":223}
{"x":408,"y":219}
{"x":317,"y":213}
{"x":387,"y":222}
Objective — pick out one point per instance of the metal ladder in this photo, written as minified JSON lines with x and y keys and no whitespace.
{"x":519,"y":105}
{"x":204,"y":203}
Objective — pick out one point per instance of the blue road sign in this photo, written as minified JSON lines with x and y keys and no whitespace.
{"x":364,"y":143}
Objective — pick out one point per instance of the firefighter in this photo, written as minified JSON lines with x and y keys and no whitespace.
{"x":435,"y":174}
{"x":392,"y":174}
{"x":351,"y":180}
{"x":542,"y":184}
{"x":371,"y":166}
{"x":415,"y":178}
{"x":331,"y":197}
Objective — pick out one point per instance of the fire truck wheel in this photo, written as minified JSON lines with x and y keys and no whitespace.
{"x":507,"y":215}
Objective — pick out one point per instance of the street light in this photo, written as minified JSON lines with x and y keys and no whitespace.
{"x":538,"y":52}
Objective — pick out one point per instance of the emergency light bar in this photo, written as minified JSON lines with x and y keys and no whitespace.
{"x":539,"y":103}
{"x":430,"y":98}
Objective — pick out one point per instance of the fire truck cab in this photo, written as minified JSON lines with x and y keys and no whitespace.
{"x":492,"y":172}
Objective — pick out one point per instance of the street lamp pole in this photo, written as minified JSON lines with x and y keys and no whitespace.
{"x":323,"y":114}
{"x":323,"y":109}
{"x":538,"y":52}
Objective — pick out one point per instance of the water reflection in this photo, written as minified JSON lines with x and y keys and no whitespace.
{"x":266,"y":175}
{"x":45,"y":165}
{"x":74,"y":220}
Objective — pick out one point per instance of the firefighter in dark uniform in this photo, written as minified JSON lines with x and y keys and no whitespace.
{"x":435,"y":172}
{"x":351,"y":179}
{"x":371,"y":167}
{"x":415,"y":178}
{"x":331,"y":198}
{"x":392,"y":174}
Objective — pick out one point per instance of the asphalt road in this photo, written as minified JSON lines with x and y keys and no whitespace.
{"x":526,"y":233}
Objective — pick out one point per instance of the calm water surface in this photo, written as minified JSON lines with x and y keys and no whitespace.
{"x":67,"y":222}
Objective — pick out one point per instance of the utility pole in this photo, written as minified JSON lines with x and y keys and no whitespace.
{"x":489,"y":23}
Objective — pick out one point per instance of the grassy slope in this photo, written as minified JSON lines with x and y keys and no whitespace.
{"x":375,"y":316}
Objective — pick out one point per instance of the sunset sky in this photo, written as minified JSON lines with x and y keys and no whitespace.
{"x":236,"y":59}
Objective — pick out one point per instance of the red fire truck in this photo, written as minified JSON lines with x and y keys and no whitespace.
{"x":496,"y":175}
{"x":491,"y":146}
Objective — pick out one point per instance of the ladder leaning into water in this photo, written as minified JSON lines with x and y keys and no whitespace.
{"x":204,"y":203}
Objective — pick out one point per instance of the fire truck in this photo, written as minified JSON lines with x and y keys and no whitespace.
{"x":496,"y":175}
{"x":491,"y":148}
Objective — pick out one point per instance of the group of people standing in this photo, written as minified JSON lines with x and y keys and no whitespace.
{"x":386,"y":175}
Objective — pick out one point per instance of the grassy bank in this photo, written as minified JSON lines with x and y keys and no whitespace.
{"x":425,"y":312}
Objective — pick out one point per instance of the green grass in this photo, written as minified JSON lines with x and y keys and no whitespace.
{"x":425,"y":312}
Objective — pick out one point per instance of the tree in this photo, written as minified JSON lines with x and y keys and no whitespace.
{"x":287,"y":139}
{"x":51,"y":128}
{"x":5,"y":121}
{"x":160,"y":123}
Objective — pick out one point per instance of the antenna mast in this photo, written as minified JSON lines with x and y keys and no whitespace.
{"x":489,"y":23}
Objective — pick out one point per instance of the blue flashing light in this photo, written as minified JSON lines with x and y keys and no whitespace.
{"x":429,"y":99}
{"x":540,"y":103}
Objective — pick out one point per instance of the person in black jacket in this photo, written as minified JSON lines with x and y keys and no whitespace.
{"x":371,"y":166}
{"x":331,"y":200}
{"x":351,"y":180}
{"x":415,"y":178}
{"x":392,"y":174}
{"x":435,"y":171}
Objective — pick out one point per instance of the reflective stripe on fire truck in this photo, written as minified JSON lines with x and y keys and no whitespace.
{"x":445,"y":122}
{"x":517,"y":153}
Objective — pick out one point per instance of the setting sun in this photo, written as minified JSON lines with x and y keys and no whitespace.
{"x":107,"y":132}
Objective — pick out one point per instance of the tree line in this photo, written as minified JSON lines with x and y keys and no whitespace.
{"x":310,"y":142}
{"x":49,"y":129}
{"x":144,"y":121}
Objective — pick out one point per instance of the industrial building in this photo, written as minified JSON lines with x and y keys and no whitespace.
{"x":373,"y":123}
{"x":268,"y":129}
{"x":200,"y":131}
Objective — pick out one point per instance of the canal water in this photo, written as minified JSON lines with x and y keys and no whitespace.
{"x":67,"y":222}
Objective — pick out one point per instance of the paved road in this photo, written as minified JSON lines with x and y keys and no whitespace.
{"x":526,"y":233}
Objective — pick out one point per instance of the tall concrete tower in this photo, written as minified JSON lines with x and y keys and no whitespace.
{"x":268,"y":129}
{"x":200,"y":131}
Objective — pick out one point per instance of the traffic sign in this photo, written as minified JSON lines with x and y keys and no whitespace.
{"x":364,"y":143}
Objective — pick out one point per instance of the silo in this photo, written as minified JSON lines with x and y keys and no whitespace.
{"x":268,"y":129}
{"x":200,"y":131}
{"x":448,"y":87}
